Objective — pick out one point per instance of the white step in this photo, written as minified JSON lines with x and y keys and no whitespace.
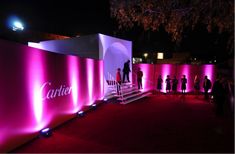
{"x":111,"y":96}
{"x":127,"y":85}
{"x":129,"y":89}
{"x":112,"y":86}
{"x":130,"y":96}
{"x":110,"y":92}
{"x":136,"y":98}
{"x":130,"y":92}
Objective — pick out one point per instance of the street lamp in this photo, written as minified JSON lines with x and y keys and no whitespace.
{"x":17,"y":26}
{"x":145,"y":55}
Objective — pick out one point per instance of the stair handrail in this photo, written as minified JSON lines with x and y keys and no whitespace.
{"x":114,"y":82}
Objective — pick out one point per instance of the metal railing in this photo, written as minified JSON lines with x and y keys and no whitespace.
{"x":112,"y":81}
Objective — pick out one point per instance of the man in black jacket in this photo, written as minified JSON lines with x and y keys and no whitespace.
{"x":126,"y":70}
{"x":218,"y":92}
{"x":206,"y":86}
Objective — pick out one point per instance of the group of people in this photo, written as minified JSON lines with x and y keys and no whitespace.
{"x":218,"y":89}
{"x":171,"y":84}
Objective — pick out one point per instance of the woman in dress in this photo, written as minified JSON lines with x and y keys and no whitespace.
{"x":168,"y":84}
{"x":196,"y":84}
{"x":183,"y":84}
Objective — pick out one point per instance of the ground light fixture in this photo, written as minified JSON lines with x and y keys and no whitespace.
{"x":80,"y":113}
{"x":46,"y":132}
{"x":93,"y":106}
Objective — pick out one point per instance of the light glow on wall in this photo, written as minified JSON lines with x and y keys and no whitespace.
{"x":37,"y":99}
{"x":166,"y":70}
{"x":101,"y":77}
{"x":185,"y":72}
{"x":35,"y":80}
{"x":208,"y":70}
{"x":73,"y":79}
{"x":2,"y":138}
{"x":145,"y":81}
{"x":90,"y":75}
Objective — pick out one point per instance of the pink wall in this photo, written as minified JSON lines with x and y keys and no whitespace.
{"x":42,"y":89}
{"x":152,"y":71}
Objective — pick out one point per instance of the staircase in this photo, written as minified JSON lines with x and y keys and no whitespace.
{"x":129,"y":92}
{"x":112,"y":90}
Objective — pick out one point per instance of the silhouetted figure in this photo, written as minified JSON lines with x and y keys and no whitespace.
{"x":126,"y":70}
{"x":118,"y":80}
{"x":139,"y":78}
{"x":196,"y":84}
{"x":183,"y":84}
{"x":219,"y":96}
{"x":159,"y":83}
{"x":206,"y":86}
{"x":168,"y":83}
{"x":229,"y":94}
{"x":174,"y":84}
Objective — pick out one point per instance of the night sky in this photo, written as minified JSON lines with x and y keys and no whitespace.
{"x":73,"y":18}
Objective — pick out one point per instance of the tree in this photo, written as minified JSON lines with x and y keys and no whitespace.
{"x":176,"y":15}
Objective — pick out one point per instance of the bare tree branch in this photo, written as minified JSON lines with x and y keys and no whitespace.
{"x":176,"y":15}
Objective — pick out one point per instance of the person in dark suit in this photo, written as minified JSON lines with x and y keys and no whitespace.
{"x":139,"y":78}
{"x":206,"y":86}
{"x":219,"y":96}
{"x":126,"y":70}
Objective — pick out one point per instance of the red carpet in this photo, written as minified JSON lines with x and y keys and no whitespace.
{"x":159,"y":123}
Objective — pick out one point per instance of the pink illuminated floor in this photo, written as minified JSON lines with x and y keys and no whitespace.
{"x":159,"y":123}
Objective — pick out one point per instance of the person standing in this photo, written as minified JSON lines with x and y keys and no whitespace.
{"x":174,"y":84}
{"x":219,"y":95}
{"x":118,"y":80}
{"x":139,"y":78}
{"x":168,"y":83}
{"x":183,"y":84}
{"x":126,"y":70}
{"x":159,"y":83}
{"x":206,"y":86}
{"x":196,"y":84}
